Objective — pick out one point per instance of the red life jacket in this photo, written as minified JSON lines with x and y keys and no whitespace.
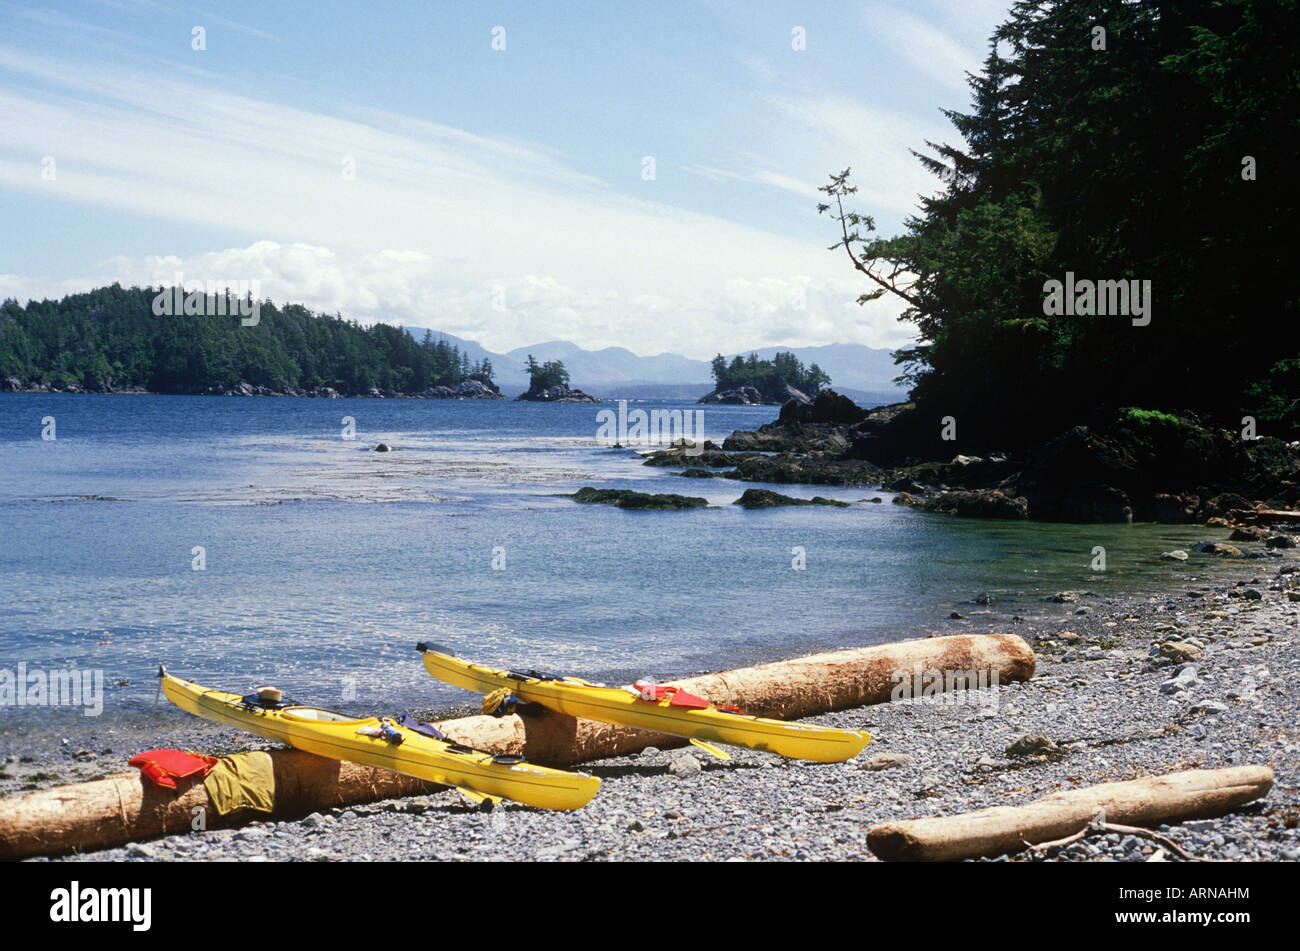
{"x":164,"y":767}
{"x":676,"y":696}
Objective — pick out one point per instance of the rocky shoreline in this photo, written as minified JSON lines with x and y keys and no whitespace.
{"x":466,"y":390}
{"x":1205,"y":677}
{"x":1136,"y":465}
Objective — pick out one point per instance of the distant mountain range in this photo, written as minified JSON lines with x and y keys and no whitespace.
{"x":865,"y":374}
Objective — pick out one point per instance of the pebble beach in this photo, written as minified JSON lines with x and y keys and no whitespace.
{"x":1125,"y":687}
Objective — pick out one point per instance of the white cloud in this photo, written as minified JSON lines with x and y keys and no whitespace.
{"x":436,"y":218}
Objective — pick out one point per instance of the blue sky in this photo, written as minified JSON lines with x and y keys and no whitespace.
{"x":498,"y":194}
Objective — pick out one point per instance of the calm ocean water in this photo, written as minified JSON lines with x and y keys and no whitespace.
{"x":325,"y":563}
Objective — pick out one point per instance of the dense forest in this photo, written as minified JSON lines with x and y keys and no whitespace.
{"x":769,"y":377}
{"x":1139,"y":142}
{"x":110,"y":339}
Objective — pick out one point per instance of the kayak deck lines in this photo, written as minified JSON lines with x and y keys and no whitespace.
{"x":622,"y":706}
{"x":382,"y":742}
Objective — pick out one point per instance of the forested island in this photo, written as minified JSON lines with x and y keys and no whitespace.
{"x":549,"y":383}
{"x":752,"y":381}
{"x":110,"y":340}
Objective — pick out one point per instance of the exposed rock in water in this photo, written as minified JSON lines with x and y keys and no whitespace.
{"x":789,"y":469}
{"x":979,"y":503}
{"x":739,"y":396}
{"x":466,"y":390}
{"x":709,"y":455}
{"x":700,"y":474}
{"x":383,"y":447}
{"x":753,"y":396}
{"x":827,"y":407}
{"x":628,"y":499}
{"x":1176,"y":555}
{"x":1222,"y":549}
{"x":762,"y":498}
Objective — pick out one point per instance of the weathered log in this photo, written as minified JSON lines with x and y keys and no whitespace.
{"x":1149,"y":801}
{"x":1262,"y":516}
{"x":123,"y":808}
{"x":785,"y":690}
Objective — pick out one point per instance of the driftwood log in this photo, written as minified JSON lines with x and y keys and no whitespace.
{"x":124,"y":808}
{"x":785,"y":690}
{"x":1149,"y":801}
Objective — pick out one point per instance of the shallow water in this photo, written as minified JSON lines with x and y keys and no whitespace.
{"x":325,"y":562}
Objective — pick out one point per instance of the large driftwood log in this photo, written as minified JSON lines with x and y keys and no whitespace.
{"x":785,"y":690}
{"x":123,"y":808}
{"x":1150,"y":801}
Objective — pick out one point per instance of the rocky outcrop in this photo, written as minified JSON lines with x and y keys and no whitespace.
{"x":762,"y":498}
{"x":827,"y":407}
{"x":465,"y":390}
{"x":741,"y":396}
{"x":978,"y":503}
{"x":710,"y":456}
{"x":753,"y":396}
{"x":560,"y":393}
{"x":628,"y":499}
{"x":802,"y":470}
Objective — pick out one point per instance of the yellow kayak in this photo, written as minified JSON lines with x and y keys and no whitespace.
{"x":389,"y":745}
{"x":630,"y":706}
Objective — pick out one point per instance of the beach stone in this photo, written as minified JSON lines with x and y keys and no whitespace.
{"x":1031,"y":744}
{"x":1176,"y":555}
{"x":1181,"y":651}
{"x":1252,"y":594}
{"x":685,"y":765}
{"x":887,"y":761}
{"x":1183,"y":680}
{"x":1209,"y":707}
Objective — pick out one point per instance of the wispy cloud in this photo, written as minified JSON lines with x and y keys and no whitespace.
{"x":207,"y":15}
{"x":489,"y":237}
{"x":919,"y":42}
